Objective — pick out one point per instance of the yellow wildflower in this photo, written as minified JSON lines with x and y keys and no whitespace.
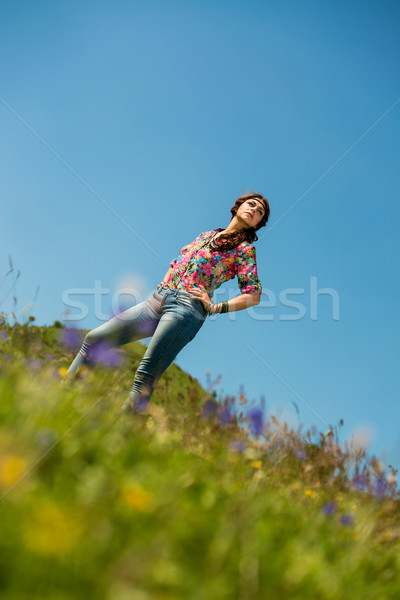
{"x":256,"y":464}
{"x":310,"y":493}
{"x":135,"y":496}
{"x":11,"y":468}
{"x":62,"y":371}
{"x":52,"y":530}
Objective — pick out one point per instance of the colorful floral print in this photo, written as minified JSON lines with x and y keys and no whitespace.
{"x":198,"y":265}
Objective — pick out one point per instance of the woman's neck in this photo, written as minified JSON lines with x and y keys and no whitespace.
{"x":235,"y":225}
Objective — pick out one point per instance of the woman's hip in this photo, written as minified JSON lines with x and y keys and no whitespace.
{"x":178,"y":302}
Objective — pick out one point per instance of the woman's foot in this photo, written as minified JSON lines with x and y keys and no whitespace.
{"x":127,"y":408}
{"x":134,"y":405}
{"x":66,"y":382}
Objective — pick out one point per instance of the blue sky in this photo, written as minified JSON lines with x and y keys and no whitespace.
{"x":129,"y":128}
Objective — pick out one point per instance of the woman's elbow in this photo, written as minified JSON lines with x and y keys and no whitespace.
{"x":256,"y":296}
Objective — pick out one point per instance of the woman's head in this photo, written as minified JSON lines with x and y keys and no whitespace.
{"x":253,"y":211}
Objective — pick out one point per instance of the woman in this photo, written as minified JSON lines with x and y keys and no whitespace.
{"x":176,"y":311}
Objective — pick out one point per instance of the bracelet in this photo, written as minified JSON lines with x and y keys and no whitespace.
{"x":225,"y":307}
{"x":221,"y":307}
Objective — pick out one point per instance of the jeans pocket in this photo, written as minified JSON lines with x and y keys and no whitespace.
{"x":156,"y":301}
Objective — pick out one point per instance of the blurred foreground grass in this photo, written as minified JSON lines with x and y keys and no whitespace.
{"x":177,"y":502}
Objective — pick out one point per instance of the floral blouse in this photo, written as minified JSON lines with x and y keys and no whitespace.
{"x":198,"y":265}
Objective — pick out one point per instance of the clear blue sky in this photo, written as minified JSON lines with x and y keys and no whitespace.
{"x":129,"y":128}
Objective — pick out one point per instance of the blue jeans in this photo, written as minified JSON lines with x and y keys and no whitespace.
{"x":170,"y":316}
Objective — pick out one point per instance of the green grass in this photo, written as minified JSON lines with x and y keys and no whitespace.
{"x":166,"y":505}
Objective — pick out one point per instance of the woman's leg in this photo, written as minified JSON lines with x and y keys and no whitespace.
{"x":136,"y":323}
{"x":180,"y":322}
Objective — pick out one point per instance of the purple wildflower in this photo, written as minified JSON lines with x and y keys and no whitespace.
{"x":105,"y":354}
{"x":380,"y":487}
{"x":71,"y":338}
{"x":329,"y":508}
{"x":34,"y":363}
{"x":238,"y":445}
{"x":209,"y":409}
{"x":256,"y":421}
{"x":347,"y":519}
{"x":3,"y":335}
{"x":301,"y":454}
{"x":225,"y":415}
{"x":359,"y":481}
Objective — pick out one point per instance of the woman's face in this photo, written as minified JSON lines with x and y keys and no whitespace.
{"x":251,"y":212}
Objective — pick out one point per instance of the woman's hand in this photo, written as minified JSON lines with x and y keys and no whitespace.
{"x":200,"y":294}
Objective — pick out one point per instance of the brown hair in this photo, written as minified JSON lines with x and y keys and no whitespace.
{"x":231,"y":240}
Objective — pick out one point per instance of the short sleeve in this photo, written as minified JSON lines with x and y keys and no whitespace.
{"x":246,"y":266}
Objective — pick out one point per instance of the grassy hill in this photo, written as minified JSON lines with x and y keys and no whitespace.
{"x":178,"y":502}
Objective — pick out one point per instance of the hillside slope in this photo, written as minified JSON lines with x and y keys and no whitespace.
{"x":177,"y":502}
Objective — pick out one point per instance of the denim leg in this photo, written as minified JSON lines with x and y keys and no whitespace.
{"x":133,"y":324}
{"x":180,"y":322}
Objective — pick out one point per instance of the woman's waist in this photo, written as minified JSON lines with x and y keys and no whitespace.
{"x":180,"y":289}
{"x":174,"y":288}
{"x":179,"y":295}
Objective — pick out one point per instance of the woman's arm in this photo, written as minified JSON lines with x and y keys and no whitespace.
{"x":243,"y":301}
{"x":167,"y":274}
{"x":239,"y":303}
